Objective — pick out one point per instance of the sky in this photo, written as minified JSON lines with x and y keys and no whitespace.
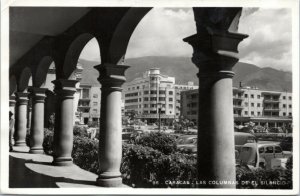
{"x":161,"y":31}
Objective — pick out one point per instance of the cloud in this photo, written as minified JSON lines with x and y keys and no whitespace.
{"x":269,"y":43}
{"x":161,"y":32}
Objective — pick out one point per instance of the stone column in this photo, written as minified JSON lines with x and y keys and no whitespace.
{"x":37,"y":120}
{"x":216,"y":152}
{"x":21,"y":114}
{"x":63,"y":132}
{"x":12,"y":104}
{"x":110,"y":137}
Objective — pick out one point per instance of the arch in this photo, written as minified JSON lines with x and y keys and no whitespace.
{"x":40,"y":76}
{"x":123,"y":32}
{"x":73,"y":53}
{"x":12,"y":84}
{"x":24,"y":80}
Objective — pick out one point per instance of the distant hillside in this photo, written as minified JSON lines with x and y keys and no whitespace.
{"x":184,"y":70}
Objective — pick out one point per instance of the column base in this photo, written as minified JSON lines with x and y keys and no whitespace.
{"x":20,"y":143}
{"x":109,"y":182}
{"x":36,"y":150}
{"x":62,"y":161}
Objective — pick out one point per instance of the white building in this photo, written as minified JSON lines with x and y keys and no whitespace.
{"x":154,"y":92}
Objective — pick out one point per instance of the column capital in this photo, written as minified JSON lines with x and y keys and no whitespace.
{"x":215,"y":50}
{"x":22,"y":98}
{"x":38,"y":94}
{"x":65,"y":88}
{"x":12,"y":100}
{"x":112,"y":76}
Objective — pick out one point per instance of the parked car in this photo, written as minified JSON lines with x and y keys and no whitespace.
{"x":261,"y":155}
{"x":187,"y":144}
{"x":287,"y":143}
{"x":241,"y":138}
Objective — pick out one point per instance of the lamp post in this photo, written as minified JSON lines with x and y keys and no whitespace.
{"x":159,"y":111}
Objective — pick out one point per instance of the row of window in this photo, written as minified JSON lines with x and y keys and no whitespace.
{"x":154,"y":106}
{"x":267,"y":97}
{"x":259,"y":105}
{"x":266,"y":113}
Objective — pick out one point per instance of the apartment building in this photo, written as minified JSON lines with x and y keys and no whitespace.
{"x":154,"y":95}
{"x":262,"y":107}
{"x":88,"y":109}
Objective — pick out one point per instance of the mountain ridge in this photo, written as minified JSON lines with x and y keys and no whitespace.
{"x":266,"y":78}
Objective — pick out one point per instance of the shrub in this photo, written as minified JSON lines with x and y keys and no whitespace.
{"x":85,"y":153}
{"x":263,"y":179}
{"x":80,"y":131}
{"x":48,"y":141}
{"x":144,"y":167}
{"x":158,"y":141}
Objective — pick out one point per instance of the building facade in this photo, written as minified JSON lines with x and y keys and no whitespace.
{"x":154,"y":96}
{"x":88,"y":109}
{"x":262,"y":107}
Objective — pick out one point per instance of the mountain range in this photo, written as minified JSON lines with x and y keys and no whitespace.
{"x":184,"y":70}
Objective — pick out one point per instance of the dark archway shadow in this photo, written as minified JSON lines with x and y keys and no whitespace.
{"x":22,"y":177}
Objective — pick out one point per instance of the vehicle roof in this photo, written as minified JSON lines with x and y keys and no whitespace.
{"x":186,"y":136}
{"x":260,"y":145}
{"x":243,"y":133}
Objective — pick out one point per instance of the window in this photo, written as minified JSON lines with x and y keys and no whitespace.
{"x":246,"y":95}
{"x":283,"y":105}
{"x":95,"y":110}
{"x":95,"y":95}
{"x":261,"y":150}
{"x":170,"y":92}
{"x":146,"y":92}
{"x":269,"y":149}
{"x":140,"y":99}
{"x":278,"y":149}
{"x":252,"y":104}
{"x":152,"y":98}
{"x":252,"y":113}
{"x":258,"y":114}
{"x":162,"y":99}
{"x":137,"y":87}
{"x":170,"y":105}
{"x":290,"y":106}
{"x":258,"y":105}
{"x":246,"y":103}
{"x":252,"y":96}
{"x":146,"y":98}
{"x":246,"y":112}
{"x":170,"y":99}
{"x":161,"y":92}
{"x":290,"y":98}
{"x":283,"y":97}
{"x":258,"y":96}
{"x":290,"y":113}
{"x":153,"y":92}
{"x":145,"y":105}
{"x":95,"y":103}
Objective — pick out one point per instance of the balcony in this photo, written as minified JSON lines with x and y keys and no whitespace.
{"x":240,"y":98}
{"x":84,"y":106}
{"x":238,"y":107}
{"x":271,"y":100}
{"x":271,"y":109}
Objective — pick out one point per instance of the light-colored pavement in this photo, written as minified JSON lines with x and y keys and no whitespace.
{"x":36,"y":171}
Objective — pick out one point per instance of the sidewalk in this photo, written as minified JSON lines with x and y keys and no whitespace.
{"x":35,"y":171}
